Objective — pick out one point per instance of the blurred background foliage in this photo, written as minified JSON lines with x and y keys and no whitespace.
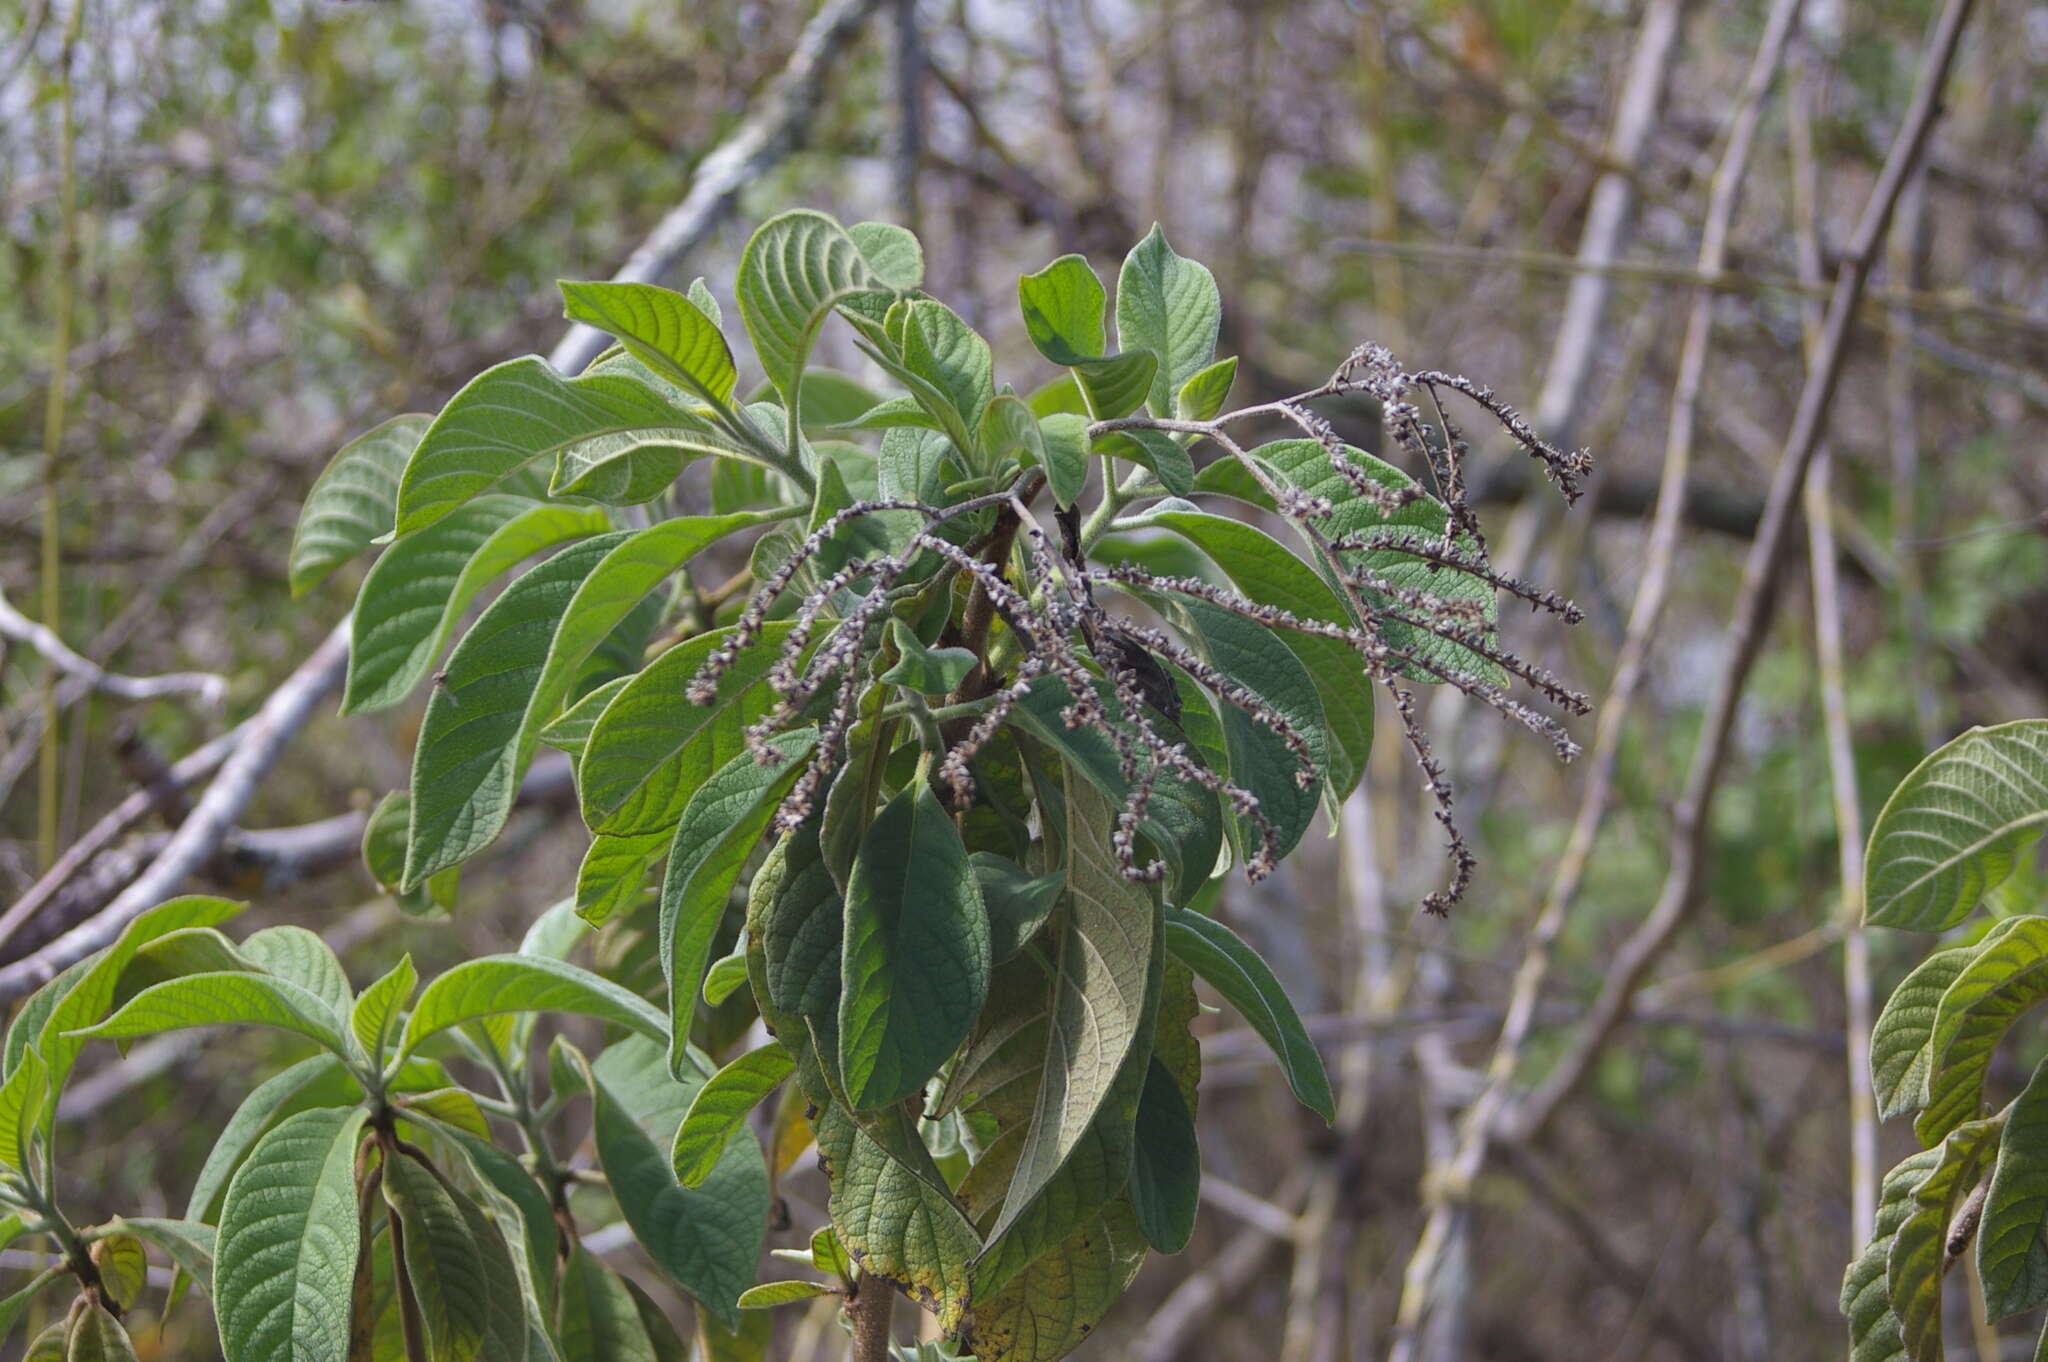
{"x":295,"y":217}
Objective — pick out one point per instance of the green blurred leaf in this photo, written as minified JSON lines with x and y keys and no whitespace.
{"x":1018,"y":902}
{"x":1166,"y":1172}
{"x":2012,"y":1252}
{"x":353,"y":502}
{"x":1913,"y":1268}
{"x":769,"y":1295}
{"x":1901,"y":1061}
{"x":597,"y":1319}
{"x":2006,"y":977}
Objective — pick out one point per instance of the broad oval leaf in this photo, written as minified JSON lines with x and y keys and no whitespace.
{"x":353,"y":502}
{"x":719,"y":1111}
{"x":894,"y":1222}
{"x":915,"y":960}
{"x":496,"y":984}
{"x":288,"y":1241}
{"x":1065,"y":308}
{"x":96,"y":1336}
{"x":1235,"y":970}
{"x":1900,"y":1058}
{"x":796,"y":268}
{"x":1168,"y":304}
{"x":299,"y":956}
{"x":663,"y":329}
{"x":1955,"y":826}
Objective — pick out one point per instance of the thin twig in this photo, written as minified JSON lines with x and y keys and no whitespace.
{"x":1677,"y":898}
{"x":211,"y":689}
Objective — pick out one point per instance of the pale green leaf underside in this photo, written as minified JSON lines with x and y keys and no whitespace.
{"x":353,"y":502}
{"x":1954,"y":828}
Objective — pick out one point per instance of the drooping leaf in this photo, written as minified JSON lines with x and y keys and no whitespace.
{"x":1166,"y":1172}
{"x":288,"y":1242}
{"x":707,"y":1238}
{"x":1046,"y":1310}
{"x":1235,"y":970}
{"x":444,"y":1262}
{"x":796,"y":268}
{"x":1065,"y":310}
{"x":723,"y":822}
{"x":718,"y":1113}
{"x":317,"y":1081}
{"x":915,"y":957}
{"x":353,"y":502}
{"x":1106,"y":944}
{"x":2007,"y":976}
{"x":1913,"y":1268}
{"x":1156,"y":451}
{"x":515,"y":414}
{"x":796,"y":915}
{"x":597,"y":1318}
{"x":422,"y":587}
{"x":96,"y":1336}
{"x":770,"y":1295}
{"x":1955,"y":827}
{"x":614,"y":871}
{"x":187,"y":1243}
{"x":1063,"y":441}
{"x":1169,"y":305}
{"x":894,"y":1222}
{"x":492,"y":985}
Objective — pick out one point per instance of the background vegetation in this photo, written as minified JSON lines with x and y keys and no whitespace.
{"x":262,"y":227}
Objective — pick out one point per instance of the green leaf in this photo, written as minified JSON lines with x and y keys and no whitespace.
{"x":614,"y":871}
{"x":652,"y":748}
{"x":376,"y":1012}
{"x":224,"y":998}
{"x":829,"y":1256}
{"x":892,"y":252}
{"x":723,"y":822}
{"x":495,"y":984}
{"x":1154,"y":450}
{"x":12,"y":1305}
{"x":424,"y":584}
{"x":911,"y":465}
{"x":597,"y":1319}
{"x":955,"y":364}
{"x":23,"y":1099}
{"x":49,"y":1345}
{"x":461,"y":1273}
{"x":1248,"y":654}
{"x":288,"y":1243}
{"x":769,"y":1295}
{"x":2007,"y":976}
{"x":662,"y":329}
{"x":1262,"y":569}
{"x":1064,"y":441}
{"x":627,"y":470}
{"x":1106,"y":941}
{"x":894,"y":1222}
{"x":1955,"y":827}
{"x":317,"y":1081}
{"x":482,"y":718}
{"x":727,"y":975}
{"x":2012,"y":1252}
{"x":514,"y":414}
{"x":1913,"y":1268}
{"x":570,"y":730}
{"x":1047,"y":1309}
{"x":929,"y":671}
{"x":1064,"y":309}
{"x":797,"y":917}
{"x":1166,"y":1170}
{"x":796,"y":268}
{"x":1183,"y":821}
{"x":520,"y":1199}
{"x":1169,"y":305}
{"x":707,"y":1238}
{"x":96,"y":1336}
{"x":718,"y":1113}
{"x":187,"y":1243}
{"x":1201,"y":398}
{"x":1018,"y":903}
{"x":1305,"y":464}
{"x":915,"y":966}
{"x":299,"y":956}
{"x":353,"y":502}
{"x":1235,"y":970}
{"x":123,"y":1267}
{"x":1901,"y":1061}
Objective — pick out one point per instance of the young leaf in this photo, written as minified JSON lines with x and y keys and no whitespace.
{"x":224,"y":998}
{"x":425,"y":583}
{"x":288,"y":1243}
{"x":1235,"y":970}
{"x":2012,"y":1252}
{"x":1201,"y":398}
{"x":1166,"y":1170}
{"x":353,"y":502}
{"x":187,"y":1243}
{"x":374,"y":1015}
{"x":96,"y":1336}
{"x":663,"y":330}
{"x":23,"y":1098}
{"x":1873,"y":1328}
{"x":570,"y":730}
{"x":727,"y":976}
{"x":1064,"y":444}
{"x":1168,"y":304}
{"x":1955,"y":827}
{"x":514,"y":414}
{"x":796,"y":915}
{"x":915,"y":966}
{"x":719,"y":1111}
{"x":2007,"y":976}
{"x":495,"y":984}
{"x":614,"y":871}
{"x":955,"y":365}
{"x":1913,"y":1268}
{"x":1900,"y":1058}
{"x":929,"y":671}
{"x":1064,"y":308}
{"x":1107,"y":942}
{"x":123,"y":1268}
{"x":892,"y":252}
{"x":796,"y":268}
{"x":298,"y":955}
{"x":462,"y":1283}
{"x":769,"y":1295}
{"x":1153,"y":450}
{"x":720,"y":827}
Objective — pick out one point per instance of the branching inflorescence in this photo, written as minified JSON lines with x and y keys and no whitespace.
{"x":1433,"y":624}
